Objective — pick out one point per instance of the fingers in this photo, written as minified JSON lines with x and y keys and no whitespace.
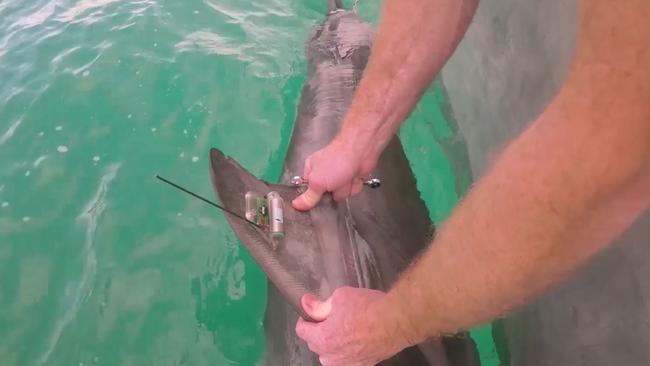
{"x":342,"y":193}
{"x":357,"y":187}
{"x":304,"y":329}
{"x":307,"y":332}
{"x":310,"y":333}
{"x":308,"y":200}
{"x":337,"y":361}
{"x":312,"y":196}
{"x":337,"y":339}
{"x":307,"y":168}
{"x":326,"y":361}
{"x":316,"y":309}
{"x":328,"y":171}
{"x":349,"y":190}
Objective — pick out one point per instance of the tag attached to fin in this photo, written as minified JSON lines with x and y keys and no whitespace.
{"x":257,"y":209}
{"x":268,"y":213}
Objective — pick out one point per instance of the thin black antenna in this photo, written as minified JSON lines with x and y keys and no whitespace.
{"x":206,"y":201}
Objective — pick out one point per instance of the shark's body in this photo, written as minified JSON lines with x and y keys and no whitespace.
{"x":365,"y":241}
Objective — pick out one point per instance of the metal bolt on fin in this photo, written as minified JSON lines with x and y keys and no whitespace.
{"x":299,"y":181}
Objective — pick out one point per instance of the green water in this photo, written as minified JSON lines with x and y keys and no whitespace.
{"x":99,"y":263}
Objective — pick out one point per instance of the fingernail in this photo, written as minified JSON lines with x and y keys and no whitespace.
{"x":298,"y":203}
{"x":322,"y":309}
{"x":310,"y":301}
{"x":303,"y":202}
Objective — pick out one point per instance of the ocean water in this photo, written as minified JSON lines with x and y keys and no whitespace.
{"x":100,"y":264}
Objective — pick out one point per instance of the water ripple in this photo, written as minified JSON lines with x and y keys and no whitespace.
{"x":84,"y":67}
{"x":155,"y":69}
{"x":10,"y":132}
{"x":120,"y":27}
{"x":88,"y":12}
{"x":263,"y":34}
{"x":79,"y":291}
{"x":36,"y":18}
{"x":48,"y":33}
{"x":61,"y":55}
{"x":5,"y":42}
{"x":3,"y":6}
{"x":39,"y":160}
{"x":234,"y":15}
{"x":212,"y":43}
{"x":81,"y":7}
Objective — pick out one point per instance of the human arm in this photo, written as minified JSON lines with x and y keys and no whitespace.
{"x":562,"y":191}
{"x":414,"y":40}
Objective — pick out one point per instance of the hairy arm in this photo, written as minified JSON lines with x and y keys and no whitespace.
{"x":414,"y":40}
{"x":576,"y":179}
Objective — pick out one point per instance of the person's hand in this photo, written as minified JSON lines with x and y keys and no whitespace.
{"x":349,"y":333}
{"x":340,"y":168}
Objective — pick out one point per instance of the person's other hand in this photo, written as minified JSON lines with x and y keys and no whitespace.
{"x":340,"y":168}
{"x":349,"y":332}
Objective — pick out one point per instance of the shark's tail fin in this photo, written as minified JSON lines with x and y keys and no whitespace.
{"x":334,"y":4}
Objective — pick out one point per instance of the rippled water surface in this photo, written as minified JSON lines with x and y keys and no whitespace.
{"x":99,"y":263}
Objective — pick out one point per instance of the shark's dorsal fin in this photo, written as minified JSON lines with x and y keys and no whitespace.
{"x":284,"y":267}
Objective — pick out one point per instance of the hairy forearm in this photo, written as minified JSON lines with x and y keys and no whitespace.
{"x":562,"y":191}
{"x":415,"y":38}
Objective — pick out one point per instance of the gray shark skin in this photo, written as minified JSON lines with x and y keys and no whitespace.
{"x":365,"y":241}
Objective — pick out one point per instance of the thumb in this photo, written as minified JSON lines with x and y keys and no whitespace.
{"x":307,"y":200}
{"x":316,"y":309}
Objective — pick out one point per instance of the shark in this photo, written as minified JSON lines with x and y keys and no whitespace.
{"x":364,"y":241}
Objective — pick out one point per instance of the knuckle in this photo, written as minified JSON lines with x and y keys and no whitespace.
{"x":312,"y":196}
{"x":340,"y":195}
{"x":317,"y":185}
{"x":338,"y":295}
{"x":343,"y":291}
{"x":300,"y":331}
{"x":314,"y":347}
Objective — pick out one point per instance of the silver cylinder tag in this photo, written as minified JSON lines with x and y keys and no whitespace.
{"x":276,"y":215}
